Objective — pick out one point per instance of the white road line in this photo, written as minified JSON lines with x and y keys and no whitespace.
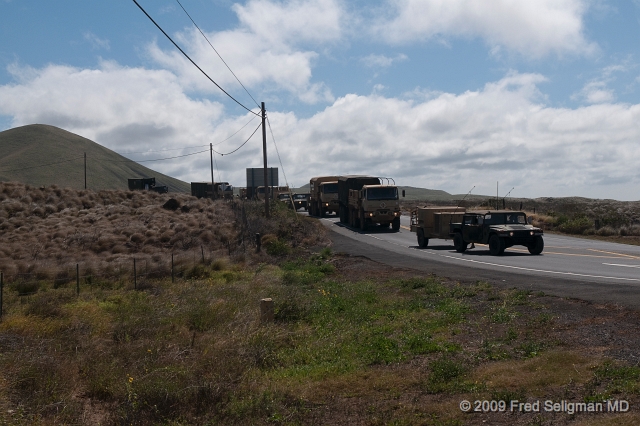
{"x":620,"y":264}
{"x":573,"y":274}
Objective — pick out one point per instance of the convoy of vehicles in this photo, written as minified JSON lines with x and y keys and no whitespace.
{"x":363,"y":201}
{"x":499,"y":229}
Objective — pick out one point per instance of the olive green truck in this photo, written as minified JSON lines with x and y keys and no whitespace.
{"x":323,"y":195}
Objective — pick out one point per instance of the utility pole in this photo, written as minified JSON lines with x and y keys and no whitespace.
{"x":213,"y":197}
{"x":264,"y":155}
{"x":85,"y":170}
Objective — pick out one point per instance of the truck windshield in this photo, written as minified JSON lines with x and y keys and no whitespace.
{"x":384,"y":193}
{"x":330,"y":188}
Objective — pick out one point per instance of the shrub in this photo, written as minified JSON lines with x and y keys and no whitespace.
{"x":576,"y":225}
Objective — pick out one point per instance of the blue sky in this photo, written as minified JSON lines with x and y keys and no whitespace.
{"x":542,"y":96}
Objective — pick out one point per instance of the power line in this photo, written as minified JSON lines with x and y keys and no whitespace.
{"x":43,"y":165}
{"x":188,"y":147}
{"x":155,"y":159}
{"x":214,"y":49}
{"x":243,"y":144}
{"x":191,"y":60}
{"x":277,"y":152}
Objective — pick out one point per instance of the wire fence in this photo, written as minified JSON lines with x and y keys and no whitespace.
{"x":135,"y":273}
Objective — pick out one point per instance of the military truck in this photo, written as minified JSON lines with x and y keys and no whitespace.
{"x":433,"y":222}
{"x":500,"y":229}
{"x":301,"y":201}
{"x":145,"y":184}
{"x":323,"y":195}
{"x":274,"y":192}
{"x":368,"y":202}
{"x":223,"y":190}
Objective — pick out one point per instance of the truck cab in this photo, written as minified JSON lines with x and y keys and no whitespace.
{"x":376,"y":204}
{"x":499,"y":229}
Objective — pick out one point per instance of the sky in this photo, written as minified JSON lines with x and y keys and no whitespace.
{"x":539,"y":96}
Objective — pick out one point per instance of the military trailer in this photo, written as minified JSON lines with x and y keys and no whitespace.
{"x":323,"y":195}
{"x":433,"y":222}
{"x":500,"y":229}
{"x":144,"y":184}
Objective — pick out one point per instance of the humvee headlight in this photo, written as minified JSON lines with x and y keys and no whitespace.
{"x":370,"y":214}
{"x":511,"y":234}
{"x":531,"y":232}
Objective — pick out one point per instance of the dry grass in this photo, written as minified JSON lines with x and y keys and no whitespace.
{"x":47,"y":231}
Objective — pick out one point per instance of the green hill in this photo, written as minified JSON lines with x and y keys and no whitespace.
{"x":39,"y":155}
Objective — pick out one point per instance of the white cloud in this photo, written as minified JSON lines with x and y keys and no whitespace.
{"x":597,"y":91}
{"x":293,"y":22}
{"x":531,"y":28}
{"x":255,"y":61}
{"x":503,"y":132}
{"x":97,"y":42}
{"x":382,"y":61}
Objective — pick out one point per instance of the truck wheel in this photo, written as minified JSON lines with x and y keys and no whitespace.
{"x":395,"y":225}
{"x":363,"y":221}
{"x":458,"y":243}
{"x":422,"y":241}
{"x":536,"y":246}
{"x":496,"y":245}
{"x":321,"y":210}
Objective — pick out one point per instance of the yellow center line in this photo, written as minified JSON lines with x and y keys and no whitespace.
{"x":617,"y":254}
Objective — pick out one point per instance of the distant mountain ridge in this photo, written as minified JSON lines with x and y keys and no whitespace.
{"x":40,"y":154}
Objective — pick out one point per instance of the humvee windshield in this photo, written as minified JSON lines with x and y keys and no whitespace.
{"x":299,"y":196}
{"x":283,"y":196}
{"x":505,"y":218}
{"x":330,"y":188}
{"x":383,"y":193}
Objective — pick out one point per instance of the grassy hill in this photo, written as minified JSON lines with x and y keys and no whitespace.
{"x":39,"y":155}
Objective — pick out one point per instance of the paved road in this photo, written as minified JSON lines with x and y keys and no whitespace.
{"x":569,"y":267}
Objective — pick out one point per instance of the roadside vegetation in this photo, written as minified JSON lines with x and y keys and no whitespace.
{"x":352,"y":341}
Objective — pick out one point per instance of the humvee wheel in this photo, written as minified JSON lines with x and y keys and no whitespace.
{"x":458,"y":243}
{"x":537,"y":246}
{"x":422,"y":241}
{"x":395,"y":225}
{"x":496,"y":245}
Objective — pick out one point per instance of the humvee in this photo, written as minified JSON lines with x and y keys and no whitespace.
{"x":500,"y":229}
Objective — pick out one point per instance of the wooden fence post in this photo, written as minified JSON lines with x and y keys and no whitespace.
{"x":266,"y":310}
